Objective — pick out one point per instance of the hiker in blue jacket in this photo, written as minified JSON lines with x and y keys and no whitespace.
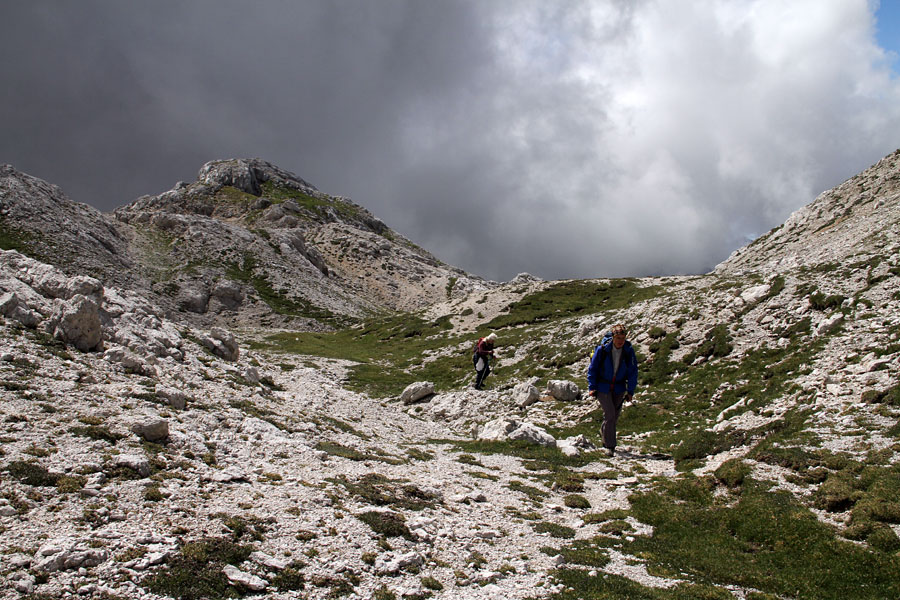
{"x":612,"y":378}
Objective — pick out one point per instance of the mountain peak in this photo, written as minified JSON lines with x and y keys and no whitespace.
{"x":249,"y":174}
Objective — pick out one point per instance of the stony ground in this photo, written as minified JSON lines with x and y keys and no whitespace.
{"x":279,"y":471}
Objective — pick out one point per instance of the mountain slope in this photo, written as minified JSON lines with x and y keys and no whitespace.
{"x":758,"y":460}
{"x":247,"y":243}
{"x":853,"y":221}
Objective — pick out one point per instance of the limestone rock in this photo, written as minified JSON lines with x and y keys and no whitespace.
{"x":525,"y":394}
{"x":175,"y":398}
{"x":507,"y":428}
{"x":152,"y":429}
{"x":222,"y":344}
{"x":138,"y":464}
{"x":575,"y":445}
{"x":565,"y":391}
{"x":243,"y":579}
{"x":77,"y":322}
{"x":416,"y":392}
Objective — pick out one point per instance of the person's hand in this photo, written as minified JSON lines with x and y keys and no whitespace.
{"x":591,"y":393}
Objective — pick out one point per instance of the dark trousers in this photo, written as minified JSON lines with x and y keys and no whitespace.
{"x":480,"y":375}
{"x":612,"y":408}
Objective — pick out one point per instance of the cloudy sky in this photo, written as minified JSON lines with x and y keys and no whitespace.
{"x":565,"y":139}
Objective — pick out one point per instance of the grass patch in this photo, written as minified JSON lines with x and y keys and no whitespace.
{"x":247,"y":271}
{"x":195,"y":572}
{"x":378,"y":490}
{"x":386,"y":524}
{"x":554,"y":530}
{"x":573,"y":298}
{"x":388,"y":351}
{"x":96,"y":432}
{"x":31,"y":474}
{"x":336,"y":449}
{"x":766,"y":540}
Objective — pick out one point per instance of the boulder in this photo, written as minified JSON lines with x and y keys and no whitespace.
{"x":565,"y":391}
{"x":67,"y":553}
{"x":153,"y":429}
{"x":245,"y":580}
{"x":575,"y":445}
{"x":130,"y":361}
{"x":174,"y":398}
{"x":389,"y":565}
{"x":136,"y":463}
{"x":525,"y":394}
{"x":830,"y":324}
{"x":507,"y":428}
{"x":228,"y":294}
{"x":416,"y":392}
{"x":222,"y":343}
{"x":15,"y":308}
{"x":754,"y":294}
{"x":193,"y":299}
{"x":77,"y":322}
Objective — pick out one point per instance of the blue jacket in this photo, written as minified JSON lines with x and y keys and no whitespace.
{"x":600,"y":372}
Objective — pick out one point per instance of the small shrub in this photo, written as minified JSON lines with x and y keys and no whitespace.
{"x":432,"y":584}
{"x":96,"y":432}
{"x":152,"y":493}
{"x":576,"y":501}
{"x":819,"y":301}
{"x":289,"y":579}
{"x":557,"y":531}
{"x":386,"y":524}
{"x":68,"y":484}
{"x":31,"y":474}
{"x":732,"y":472}
{"x":883,"y":538}
{"x":617,"y":527}
{"x":383,"y":593}
{"x":656,"y":332}
{"x":196,"y":572}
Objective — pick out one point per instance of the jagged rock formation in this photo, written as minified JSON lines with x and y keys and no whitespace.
{"x":247,"y":243}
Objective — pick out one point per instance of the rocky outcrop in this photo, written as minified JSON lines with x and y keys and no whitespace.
{"x":507,"y":428}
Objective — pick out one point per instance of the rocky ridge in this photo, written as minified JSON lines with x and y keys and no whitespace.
{"x":247,"y":242}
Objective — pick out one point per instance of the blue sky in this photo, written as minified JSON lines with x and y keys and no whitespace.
{"x":888,"y":29}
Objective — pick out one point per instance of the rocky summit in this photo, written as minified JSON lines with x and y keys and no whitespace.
{"x":245,"y":387}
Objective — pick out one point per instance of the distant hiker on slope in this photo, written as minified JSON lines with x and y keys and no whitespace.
{"x":481,"y":358}
{"x":612,"y":378}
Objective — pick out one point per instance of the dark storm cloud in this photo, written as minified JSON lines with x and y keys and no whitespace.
{"x":563,"y":139}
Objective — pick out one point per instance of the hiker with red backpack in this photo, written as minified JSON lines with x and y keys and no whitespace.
{"x":612,"y":379}
{"x":481,"y":358}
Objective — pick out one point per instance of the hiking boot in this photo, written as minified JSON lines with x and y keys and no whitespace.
{"x":610,"y":452}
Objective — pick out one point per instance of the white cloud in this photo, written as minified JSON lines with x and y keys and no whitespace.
{"x":692,"y":124}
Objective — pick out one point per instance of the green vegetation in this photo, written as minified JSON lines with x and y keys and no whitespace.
{"x":319,"y":207}
{"x":764,"y":540}
{"x":247,"y":272}
{"x":573,"y":298}
{"x":386,"y":524}
{"x":378,"y":490}
{"x":196,"y":571}
{"x":13,"y":238}
{"x":31,"y":474}
{"x":389,"y":352}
